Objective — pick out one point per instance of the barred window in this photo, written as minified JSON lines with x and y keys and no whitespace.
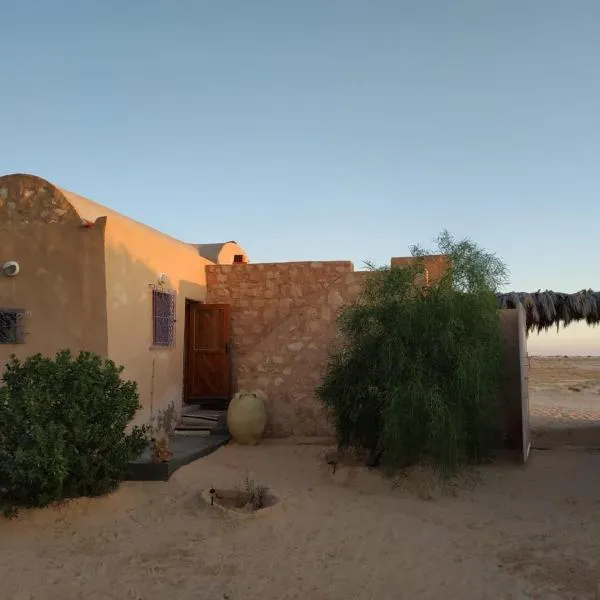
{"x":163,"y":318}
{"x":11,"y":326}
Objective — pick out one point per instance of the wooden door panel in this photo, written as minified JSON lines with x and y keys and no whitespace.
{"x":207,"y":333}
{"x":210,"y":377}
{"x":208,"y":362}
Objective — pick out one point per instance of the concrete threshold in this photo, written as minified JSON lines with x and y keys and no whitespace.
{"x":185,"y":448}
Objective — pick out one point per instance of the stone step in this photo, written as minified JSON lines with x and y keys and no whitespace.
{"x":201,"y":417}
{"x":191,"y":432}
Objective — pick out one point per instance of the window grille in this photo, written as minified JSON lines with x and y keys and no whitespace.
{"x":163,"y":318}
{"x":12,"y":322}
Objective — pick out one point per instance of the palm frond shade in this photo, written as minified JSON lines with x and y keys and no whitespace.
{"x":545,"y":309}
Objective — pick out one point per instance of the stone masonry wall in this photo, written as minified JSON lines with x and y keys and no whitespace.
{"x":283,"y":321}
{"x":26,"y":199}
{"x":435,"y":265}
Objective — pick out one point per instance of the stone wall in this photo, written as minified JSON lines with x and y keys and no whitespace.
{"x":283,"y":326}
{"x":26,"y":199}
{"x":283,"y":321}
{"x":435,"y":265}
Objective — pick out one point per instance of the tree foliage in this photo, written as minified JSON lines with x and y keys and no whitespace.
{"x":417,"y":375}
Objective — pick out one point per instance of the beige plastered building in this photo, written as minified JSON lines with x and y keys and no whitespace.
{"x":77,"y":275}
{"x":190,"y":323}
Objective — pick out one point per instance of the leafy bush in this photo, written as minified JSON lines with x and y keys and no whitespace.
{"x":63,"y":428}
{"x":417,"y":375}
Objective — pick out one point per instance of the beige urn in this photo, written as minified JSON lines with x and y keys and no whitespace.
{"x":247,"y":417}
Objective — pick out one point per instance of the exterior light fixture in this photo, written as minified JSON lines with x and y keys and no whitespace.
{"x":11,"y":268}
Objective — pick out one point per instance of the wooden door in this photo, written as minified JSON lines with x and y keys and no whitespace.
{"x":526,"y":431}
{"x":207,"y":364}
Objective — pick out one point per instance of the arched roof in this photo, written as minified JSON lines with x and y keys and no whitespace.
{"x":221,"y":253}
{"x":25,"y":197}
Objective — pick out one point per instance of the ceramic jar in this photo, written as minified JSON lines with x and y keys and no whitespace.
{"x":247,"y":417}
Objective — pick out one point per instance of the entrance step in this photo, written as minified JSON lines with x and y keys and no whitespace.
{"x":185,"y":450}
{"x":188,"y":432}
{"x":196,"y":421}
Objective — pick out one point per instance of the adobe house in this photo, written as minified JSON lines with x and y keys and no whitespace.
{"x":191,"y":323}
{"x":77,"y":275}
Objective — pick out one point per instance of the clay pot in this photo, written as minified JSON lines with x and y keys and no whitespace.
{"x":247,"y":417}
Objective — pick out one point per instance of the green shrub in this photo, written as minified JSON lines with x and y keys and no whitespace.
{"x":63,"y":428}
{"x":417,"y":375}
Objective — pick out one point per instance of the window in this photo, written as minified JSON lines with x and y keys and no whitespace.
{"x":163,"y":318}
{"x":238,"y":258}
{"x":11,"y":326}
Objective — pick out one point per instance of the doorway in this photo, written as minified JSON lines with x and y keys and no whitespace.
{"x":207,"y":360}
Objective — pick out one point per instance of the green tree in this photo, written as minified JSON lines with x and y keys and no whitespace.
{"x":417,"y":375}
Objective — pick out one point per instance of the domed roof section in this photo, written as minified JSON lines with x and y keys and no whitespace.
{"x":225,"y":253}
{"x":27,"y":199}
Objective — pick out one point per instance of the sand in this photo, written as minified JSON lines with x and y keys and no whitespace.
{"x":565,"y":400}
{"x":503,"y":532}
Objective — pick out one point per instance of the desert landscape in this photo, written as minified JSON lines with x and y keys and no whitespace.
{"x":498,"y":532}
{"x":564,"y":397}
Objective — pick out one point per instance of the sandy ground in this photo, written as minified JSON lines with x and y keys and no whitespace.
{"x":564,"y":394}
{"x":502,"y":532}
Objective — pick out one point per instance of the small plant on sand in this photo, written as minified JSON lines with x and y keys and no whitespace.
{"x":64,"y":429}
{"x":256,"y":493}
{"x":416,"y":377}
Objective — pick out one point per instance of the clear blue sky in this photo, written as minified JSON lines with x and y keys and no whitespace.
{"x":321,"y":129}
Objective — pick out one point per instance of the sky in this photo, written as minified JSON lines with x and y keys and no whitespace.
{"x":323,"y":129}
